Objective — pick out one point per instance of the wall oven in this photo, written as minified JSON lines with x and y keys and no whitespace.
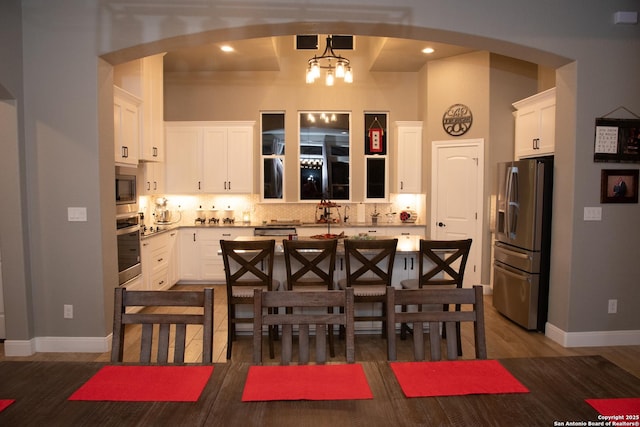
{"x":128,"y":235}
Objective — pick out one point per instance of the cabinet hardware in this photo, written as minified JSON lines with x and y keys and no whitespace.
{"x":155,"y":151}
{"x":194,"y":237}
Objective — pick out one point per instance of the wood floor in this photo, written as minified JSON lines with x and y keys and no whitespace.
{"x":504,"y":340}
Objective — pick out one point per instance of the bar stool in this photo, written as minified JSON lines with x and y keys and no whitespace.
{"x":248,"y":265}
{"x":369,"y":267}
{"x":310,"y":266}
{"x":438,"y":269}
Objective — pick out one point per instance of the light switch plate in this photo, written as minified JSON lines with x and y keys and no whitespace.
{"x":77,"y":214}
{"x":593,"y":214}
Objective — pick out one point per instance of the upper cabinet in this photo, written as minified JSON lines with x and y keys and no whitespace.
{"x":152,"y":144}
{"x":409,"y":160}
{"x":153,"y":178}
{"x":126,"y":127}
{"x":535,"y":125}
{"x":139,"y":82}
{"x":209,"y":157}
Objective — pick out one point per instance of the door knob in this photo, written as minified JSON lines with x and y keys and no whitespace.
{"x":442,"y":224}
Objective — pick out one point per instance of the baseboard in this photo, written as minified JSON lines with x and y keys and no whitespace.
{"x":593,"y":338}
{"x":22,"y":348}
{"x":57,"y":345}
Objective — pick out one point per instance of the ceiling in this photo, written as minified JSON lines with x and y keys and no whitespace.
{"x":264,"y":54}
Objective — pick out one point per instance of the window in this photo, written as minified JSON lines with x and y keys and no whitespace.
{"x":272,"y":156}
{"x":375,"y":154}
{"x":325,"y":171}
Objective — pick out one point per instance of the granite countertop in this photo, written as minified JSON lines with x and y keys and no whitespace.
{"x":158,"y":230}
{"x":406,"y":243}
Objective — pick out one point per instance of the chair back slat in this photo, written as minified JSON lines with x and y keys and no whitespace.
{"x":266,"y":313}
{"x":449,"y":320}
{"x":160,"y":325}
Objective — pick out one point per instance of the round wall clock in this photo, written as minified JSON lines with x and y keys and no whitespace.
{"x":457,"y":120}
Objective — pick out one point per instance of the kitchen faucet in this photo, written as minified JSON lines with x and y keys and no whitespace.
{"x":345,"y":216}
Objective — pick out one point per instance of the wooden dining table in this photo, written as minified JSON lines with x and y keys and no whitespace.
{"x":558,"y":387}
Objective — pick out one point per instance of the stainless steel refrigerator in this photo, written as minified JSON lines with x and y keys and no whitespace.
{"x":523,"y":240}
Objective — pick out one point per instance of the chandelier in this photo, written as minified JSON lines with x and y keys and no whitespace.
{"x":341,"y":69}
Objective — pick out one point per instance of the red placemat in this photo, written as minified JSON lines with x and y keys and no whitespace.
{"x":4,"y":403}
{"x":455,"y":378}
{"x":306,"y":382}
{"x":145,"y":384}
{"x":623,"y":407}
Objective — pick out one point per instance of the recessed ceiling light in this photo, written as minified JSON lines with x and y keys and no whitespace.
{"x":226,"y":48}
{"x":428,"y":50}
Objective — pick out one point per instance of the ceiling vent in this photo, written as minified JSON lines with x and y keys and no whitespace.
{"x":307,"y":42}
{"x":310,"y":42}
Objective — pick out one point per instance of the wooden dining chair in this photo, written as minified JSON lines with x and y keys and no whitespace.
{"x":448,"y":320}
{"x":157,"y":320}
{"x":248,"y":265}
{"x":310,"y":266}
{"x":266,"y":314}
{"x":369,"y":269}
{"x":441,"y":265}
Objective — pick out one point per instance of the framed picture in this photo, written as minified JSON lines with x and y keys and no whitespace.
{"x":617,"y":141}
{"x":375,"y":133}
{"x":619,"y":186}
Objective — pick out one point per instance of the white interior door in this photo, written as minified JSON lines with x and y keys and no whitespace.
{"x":456,"y":197}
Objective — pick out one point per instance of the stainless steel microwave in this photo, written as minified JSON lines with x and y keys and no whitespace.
{"x":126,"y":190}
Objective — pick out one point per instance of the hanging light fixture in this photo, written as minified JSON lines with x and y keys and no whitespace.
{"x":341,"y":69}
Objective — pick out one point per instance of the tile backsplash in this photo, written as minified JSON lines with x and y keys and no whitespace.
{"x":239,"y":207}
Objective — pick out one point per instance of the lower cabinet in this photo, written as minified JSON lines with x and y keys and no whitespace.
{"x":200,"y":258}
{"x":405,"y":267}
{"x":158,"y":261}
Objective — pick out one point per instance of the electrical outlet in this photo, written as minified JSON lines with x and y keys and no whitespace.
{"x":68,"y":311}
{"x":613,"y":306}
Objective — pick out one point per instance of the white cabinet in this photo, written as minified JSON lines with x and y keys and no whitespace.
{"x":535,"y":125}
{"x":152,"y":143}
{"x":183,"y":159}
{"x":126,"y":127}
{"x":230,"y":146}
{"x":154,"y":178}
{"x":199,"y":252}
{"x":209,"y":157}
{"x":409,"y":156}
{"x":157,"y":254}
{"x":173,"y":268}
{"x":405,"y":266}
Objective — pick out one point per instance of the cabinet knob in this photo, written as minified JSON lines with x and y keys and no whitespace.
{"x":442,"y":224}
